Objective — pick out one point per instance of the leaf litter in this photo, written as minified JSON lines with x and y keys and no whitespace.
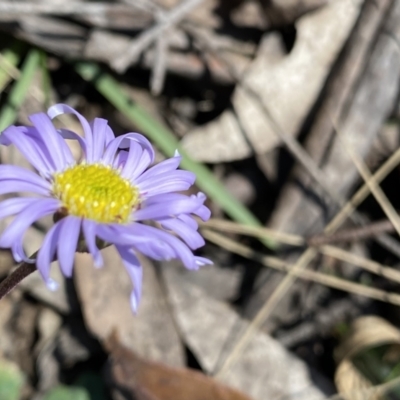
{"x":84,"y":337}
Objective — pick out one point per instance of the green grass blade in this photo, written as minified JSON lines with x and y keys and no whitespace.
{"x":9,"y":60}
{"x":8,"y":113}
{"x":167,"y":143}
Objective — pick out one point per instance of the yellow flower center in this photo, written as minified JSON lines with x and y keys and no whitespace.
{"x":96,"y":192}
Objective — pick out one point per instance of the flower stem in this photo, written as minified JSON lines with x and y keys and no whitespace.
{"x":16,"y":277}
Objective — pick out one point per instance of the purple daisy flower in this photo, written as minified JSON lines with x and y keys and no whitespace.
{"x":104,"y":197}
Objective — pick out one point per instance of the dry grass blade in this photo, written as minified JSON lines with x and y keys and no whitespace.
{"x":353,"y":234}
{"x":372,"y":185}
{"x":332,"y":251}
{"x":298,"y":271}
{"x":303,"y":158}
{"x":363,"y":192}
{"x":304,"y":259}
{"x":259,"y":232}
{"x":369,"y":265}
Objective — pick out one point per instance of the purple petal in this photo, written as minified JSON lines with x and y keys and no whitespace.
{"x":89,"y":231}
{"x":191,"y":237}
{"x":47,"y":251}
{"x":188,"y":220}
{"x":127,"y":236}
{"x":11,"y":173}
{"x":200,"y":261}
{"x":168,"y":182}
{"x":102,"y":135}
{"x":67,"y":134}
{"x":14,"y":186}
{"x":119,"y":234}
{"x":180,"y":250}
{"x":15,"y":205}
{"x":167,"y":209}
{"x":66,"y":247}
{"x":19,"y":254}
{"x":123,"y":142}
{"x":28,"y":142}
{"x":164,"y":166}
{"x":61,"y":153}
{"x":203,"y":212}
{"x":59,"y":109}
{"x":172,"y":204}
{"x":159,"y":198}
{"x":153,"y":242}
{"x":135,"y":271}
{"x":36,"y":210}
{"x":135,"y":162}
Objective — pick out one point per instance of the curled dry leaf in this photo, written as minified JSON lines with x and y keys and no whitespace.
{"x":146,"y":380}
{"x":366,"y":333}
{"x":287,"y":87}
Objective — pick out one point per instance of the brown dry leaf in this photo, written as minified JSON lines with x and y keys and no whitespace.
{"x":146,"y":380}
{"x":265,"y":370}
{"x":104,"y":294}
{"x":288,"y":88}
{"x":366,"y":332}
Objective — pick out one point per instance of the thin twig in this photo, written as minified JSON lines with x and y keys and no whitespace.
{"x":375,"y":189}
{"x":363,"y":192}
{"x":365,"y":263}
{"x":348,"y":235}
{"x":254,"y":231}
{"x":299,"y":271}
{"x":302,"y":263}
{"x":341,"y":254}
{"x":146,"y":38}
{"x":15,"y":278}
{"x":352,"y":235}
{"x":278,"y":264}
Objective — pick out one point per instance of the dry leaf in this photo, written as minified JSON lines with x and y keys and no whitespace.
{"x":288,"y":88}
{"x":365,"y":333}
{"x":265,"y":370}
{"x":104,"y":294}
{"x":219,"y":283}
{"x":146,"y":380}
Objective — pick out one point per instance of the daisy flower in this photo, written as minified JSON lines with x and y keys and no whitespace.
{"x":104,"y":198}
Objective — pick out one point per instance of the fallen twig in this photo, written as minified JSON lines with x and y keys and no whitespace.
{"x":145,"y":39}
